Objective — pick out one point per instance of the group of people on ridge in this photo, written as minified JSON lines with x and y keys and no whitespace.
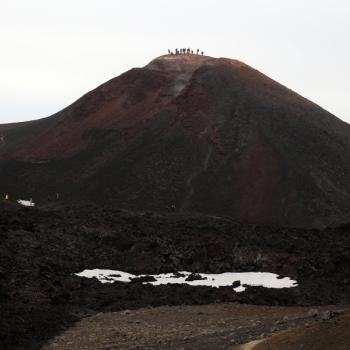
{"x":185,"y":52}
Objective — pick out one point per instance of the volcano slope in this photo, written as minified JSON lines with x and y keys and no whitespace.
{"x":190,"y":132}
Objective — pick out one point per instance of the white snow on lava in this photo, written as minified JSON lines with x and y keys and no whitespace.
{"x":26,"y":203}
{"x":262,"y":279}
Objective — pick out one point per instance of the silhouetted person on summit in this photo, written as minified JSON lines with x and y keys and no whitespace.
{"x":185,"y":51}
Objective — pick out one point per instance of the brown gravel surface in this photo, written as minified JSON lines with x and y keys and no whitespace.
{"x":215,"y":326}
{"x":333,"y":334}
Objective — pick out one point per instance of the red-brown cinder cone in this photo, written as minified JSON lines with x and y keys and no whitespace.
{"x":193,"y":134}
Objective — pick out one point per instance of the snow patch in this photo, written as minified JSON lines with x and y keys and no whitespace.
{"x":261,"y":279}
{"x":26,"y":203}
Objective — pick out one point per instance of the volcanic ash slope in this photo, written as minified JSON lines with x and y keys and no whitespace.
{"x":190,"y":133}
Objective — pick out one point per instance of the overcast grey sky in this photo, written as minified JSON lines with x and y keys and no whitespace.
{"x":52,"y":52}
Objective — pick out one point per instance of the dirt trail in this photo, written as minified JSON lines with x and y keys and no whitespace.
{"x":249,"y":346}
{"x":333,"y":334}
{"x":215,"y":326}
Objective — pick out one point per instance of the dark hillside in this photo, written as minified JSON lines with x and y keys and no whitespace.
{"x":202,"y":134}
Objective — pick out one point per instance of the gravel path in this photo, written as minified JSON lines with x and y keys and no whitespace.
{"x":215,"y":326}
{"x":330,"y":335}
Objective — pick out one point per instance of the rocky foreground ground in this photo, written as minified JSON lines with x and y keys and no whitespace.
{"x":42,"y":248}
{"x":207,"y":327}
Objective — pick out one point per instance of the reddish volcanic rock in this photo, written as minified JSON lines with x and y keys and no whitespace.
{"x":202,"y":134}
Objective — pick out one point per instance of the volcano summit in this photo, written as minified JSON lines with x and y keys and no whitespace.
{"x":192,"y":133}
